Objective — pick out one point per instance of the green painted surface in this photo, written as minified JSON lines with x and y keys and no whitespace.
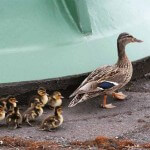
{"x":79,"y":13}
{"x":39,"y":40}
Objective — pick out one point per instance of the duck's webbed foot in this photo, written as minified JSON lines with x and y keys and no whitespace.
{"x":51,"y":129}
{"x":119,"y":96}
{"x":19,"y":126}
{"x":41,"y":129}
{"x":27,"y":121}
{"x":105,"y":105}
{"x":108,"y":106}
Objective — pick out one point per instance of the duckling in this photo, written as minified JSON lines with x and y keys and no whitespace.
{"x":14,"y":118}
{"x":55,"y":99}
{"x":41,"y":96}
{"x":53,"y":122}
{"x":2,"y":113}
{"x":3,"y":102}
{"x":11,"y":102}
{"x":33,"y":112}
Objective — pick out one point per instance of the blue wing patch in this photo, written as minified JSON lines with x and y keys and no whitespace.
{"x":107,"y":85}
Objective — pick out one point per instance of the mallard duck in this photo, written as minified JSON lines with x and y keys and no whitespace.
{"x":11,"y":102}
{"x":33,"y":112}
{"x":53,"y":122}
{"x":55,"y":99}
{"x":14,"y":118}
{"x":2,"y":113}
{"x":107,"y":79}
{"x":41,"y":96}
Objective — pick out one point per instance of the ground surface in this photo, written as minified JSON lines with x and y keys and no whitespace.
{"x":129,"y":120}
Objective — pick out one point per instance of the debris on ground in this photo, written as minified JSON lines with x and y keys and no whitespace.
{"x":100,"y":142}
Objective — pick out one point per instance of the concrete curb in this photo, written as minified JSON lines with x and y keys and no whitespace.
{"x":141,"y":67}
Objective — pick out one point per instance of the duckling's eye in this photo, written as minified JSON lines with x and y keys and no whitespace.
{"x":11,"y":99}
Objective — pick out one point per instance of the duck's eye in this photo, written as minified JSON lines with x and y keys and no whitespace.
{"x":14,"y":100}
{"x":11,"y":100}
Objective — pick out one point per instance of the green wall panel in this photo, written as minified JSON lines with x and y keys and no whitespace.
{"x":39,"y":40}
{"x":79,"y":13}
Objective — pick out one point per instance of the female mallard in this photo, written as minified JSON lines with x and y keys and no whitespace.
{"x":107,"y":79}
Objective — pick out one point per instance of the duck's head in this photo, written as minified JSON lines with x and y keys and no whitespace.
{"x":38,"y":105}
{"x":125,"y":38}
{"x":58,"y":110}
{"x":41,"y":91}
{"x":57,"y":95}
{"x":12,"y":100}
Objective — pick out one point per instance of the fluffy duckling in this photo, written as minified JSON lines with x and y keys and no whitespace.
{"x":3,"y":102}
{"x":2,"y":113}
{"x":41,"y":96}
{"x":14,"y":118}
{"x":53,"y":122}
{"x":11,"y":102}
{"x":55,"y":99}
{"x":33,"y":112}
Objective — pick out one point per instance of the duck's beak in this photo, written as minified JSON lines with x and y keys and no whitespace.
{"x":137,"y":40}
{"x":62,"y":96}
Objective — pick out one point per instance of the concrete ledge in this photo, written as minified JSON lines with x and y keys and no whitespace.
{"x":141,"y":67}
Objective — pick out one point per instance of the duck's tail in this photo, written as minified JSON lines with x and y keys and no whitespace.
{"x":75,"y":100}
{"x":79,"y":98}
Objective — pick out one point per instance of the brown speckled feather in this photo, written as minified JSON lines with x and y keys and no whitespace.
{"x":118,"y":75}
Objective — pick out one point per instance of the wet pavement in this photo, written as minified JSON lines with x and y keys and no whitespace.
{"x":129,"y":120}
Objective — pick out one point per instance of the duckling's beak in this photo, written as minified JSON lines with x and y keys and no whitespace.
{"x":16,"y":101}
{"x":137,"y":40}
{"x":62,"y":96}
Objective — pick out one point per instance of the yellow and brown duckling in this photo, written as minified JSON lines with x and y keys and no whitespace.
{"x":3,"y":102}
{"x":53,"y":121}
{"x":2,"y":113}
{"x":14,"y":118}
{"x":55,"y":99}
{"x":41,"y":96}
{"x":33,"y":112}
{"x":11,"y":102}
